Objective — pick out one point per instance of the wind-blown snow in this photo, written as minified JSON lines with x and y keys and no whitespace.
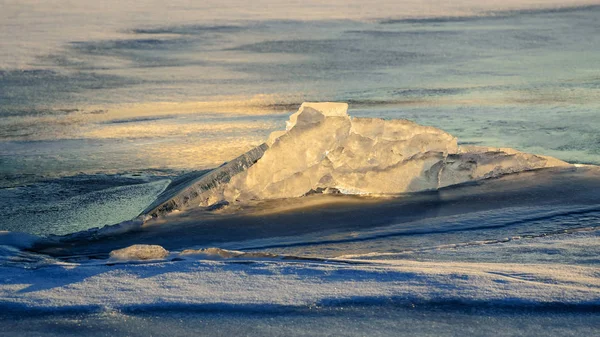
{"x":264,"y":283}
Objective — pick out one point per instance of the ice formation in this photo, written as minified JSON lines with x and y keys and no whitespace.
{"x":139,"y":252}
{"x":180,"y":194}
{"x":324,"y":150}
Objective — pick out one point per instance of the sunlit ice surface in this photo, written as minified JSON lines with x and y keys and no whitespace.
{"x":143,"y":93}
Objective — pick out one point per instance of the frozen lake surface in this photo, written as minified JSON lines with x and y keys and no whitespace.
{"x":102,"y":107}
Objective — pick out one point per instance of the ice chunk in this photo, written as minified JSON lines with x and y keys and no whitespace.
{"x":476,"y":163}
{"x":314,"y":111}
{"x":140,"y":252}
{"x":324,"y":149}
{"x":200,"y":189}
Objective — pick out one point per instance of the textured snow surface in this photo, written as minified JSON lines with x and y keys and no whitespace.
{"x":268,"y":283}
{"x":324,"y":150}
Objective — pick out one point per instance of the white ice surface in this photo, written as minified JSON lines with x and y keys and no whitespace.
{"x":273,"y":283}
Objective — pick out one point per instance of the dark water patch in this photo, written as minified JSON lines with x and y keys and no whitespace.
{"x":44,"y":87}
{"x":535,"y":37}
{"x":152,"y":48}
{"x":96,"y":112}
{"x":470,"y":143}
{"x":345,"y":55}
{"x":59,"y":206}
{"x":427,"y":92}
{"x":192,"y":29}
{"x":18,"y":179}
{"x":7,"y":111}
{"x":64,"y":61}
{"x":439,"y":20}
{"x":403,"y":34}
{"x":300,"y":46}
{"x":107,"y":46}
{"x":556,"y":10}
{"x":495,"y":16}
{"x":135,"y":58}
{"x":330,"y":59}
{"x":137,"y":53}
{"x":138,"y":119}
{"x":44,"y":78}
{"x":66,"y":187}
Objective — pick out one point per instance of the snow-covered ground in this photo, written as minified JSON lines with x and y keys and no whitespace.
{"x":532,"y":247}
{"x":269,"y":282}
{"x":219,"y":292}
{"x":512,"y":255}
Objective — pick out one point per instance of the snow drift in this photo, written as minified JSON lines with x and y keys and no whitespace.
{"x":324,"y":150}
